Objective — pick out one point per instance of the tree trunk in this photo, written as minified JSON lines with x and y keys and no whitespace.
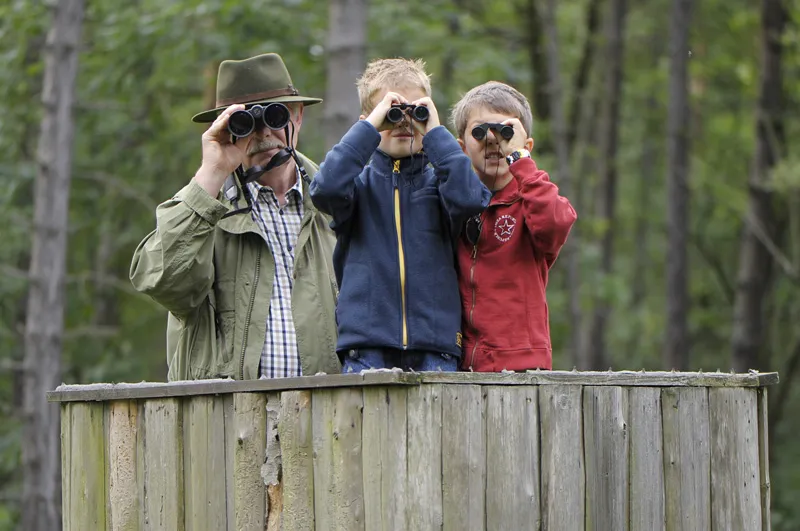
{"x":45,"y":316}
{"x":559,"y":127}
{"x":347,"y":26}
{"x":542,"y":103}
{"x":584,"y":69}
{"x":609,"y":131}
{"x":760,"y":227}
{"x":676,"y":342}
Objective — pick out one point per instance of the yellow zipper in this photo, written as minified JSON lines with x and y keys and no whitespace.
{"x":400,"y":252}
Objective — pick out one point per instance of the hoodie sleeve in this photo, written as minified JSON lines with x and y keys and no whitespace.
{"x":333,"y":189}
{"x":462,"y":193}
{"x":548,"y":216}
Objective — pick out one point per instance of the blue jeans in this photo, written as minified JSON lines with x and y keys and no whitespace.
{"x":407,"y":360}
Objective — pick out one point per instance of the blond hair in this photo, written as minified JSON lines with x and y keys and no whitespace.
{"x":389,"y":74}
{"x":497,"y":97}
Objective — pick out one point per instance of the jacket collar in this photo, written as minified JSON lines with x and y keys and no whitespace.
{"x":509,"y":193}
{"x":241,"y":223}
{"x":385,"y":164}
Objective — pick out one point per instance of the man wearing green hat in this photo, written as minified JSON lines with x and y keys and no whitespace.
{"x":240,"y":257}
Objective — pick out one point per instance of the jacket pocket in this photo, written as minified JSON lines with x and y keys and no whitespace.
{"x":425,"y":211}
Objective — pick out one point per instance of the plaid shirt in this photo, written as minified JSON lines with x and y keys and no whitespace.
{"x":280,"y":227}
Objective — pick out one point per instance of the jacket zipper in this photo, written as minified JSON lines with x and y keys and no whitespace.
{"x":249,"y":314}
{"x":472,"y":285}
{"x":400,"y":253}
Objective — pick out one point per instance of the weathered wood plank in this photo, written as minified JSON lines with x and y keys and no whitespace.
{"x":128,"y":391}
{"x":603,"y":378}
{"x":563,"y":473}
{"x":687,"y":468}
{"x":249,"y":431}
{"x":424,"y":481}
{"x":605,"y":435}
{"x":204,"y":464}
{"x":84,"y":466}
{"x":512,"y":458}
{"x":763,"y":458}
{"x":338,"y":483}
{"x":384,"y":447}
{"x":294,"y":428}
{"x":646,"y":460}
{"x":735,"y":476}
{"x":163,"y":465}
{"x":230,"y":447}
{"x":464,"y":458}
{"x":123,"y":420}
{"x":271,"y":471}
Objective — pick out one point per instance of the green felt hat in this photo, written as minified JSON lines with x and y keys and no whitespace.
{"x":259,"y":79}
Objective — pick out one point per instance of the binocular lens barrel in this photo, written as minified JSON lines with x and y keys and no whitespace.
{"x":243,"y":123}
{"x":394,"y":115}
{"x":419,"y":113}
{"x":479,"y":131}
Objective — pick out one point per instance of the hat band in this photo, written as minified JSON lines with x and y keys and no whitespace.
{"x":243,"y":98}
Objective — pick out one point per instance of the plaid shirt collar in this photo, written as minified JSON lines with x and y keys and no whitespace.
{"x":296,"y":191}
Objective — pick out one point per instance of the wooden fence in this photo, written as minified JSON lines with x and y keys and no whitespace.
{"x":387,"y":450}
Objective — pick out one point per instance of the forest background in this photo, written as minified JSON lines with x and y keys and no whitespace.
{"x":668,"y":123}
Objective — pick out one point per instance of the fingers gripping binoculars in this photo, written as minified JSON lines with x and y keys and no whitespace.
{"x":273,"y":115}
{"x":479,"y":131}
{"x":395,"y":114}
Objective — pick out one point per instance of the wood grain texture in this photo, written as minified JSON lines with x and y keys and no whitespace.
{"x":123,"y":490}
{"x":424,"y":486}
{"x":84,"y":480}
{"x":249,"y":436}
{"x":163,"y":465}
{"x":646,"y":460}
{"x":297,"y":455}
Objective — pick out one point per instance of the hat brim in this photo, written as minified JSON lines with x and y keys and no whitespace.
{"x":211,"y":115}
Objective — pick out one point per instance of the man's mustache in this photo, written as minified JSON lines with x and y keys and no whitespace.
{"x":264,"y":145}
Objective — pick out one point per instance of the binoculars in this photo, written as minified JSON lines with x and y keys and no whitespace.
{"x":419,"y":113}
{"x":479,"y":131}
{"x":273,"y":115}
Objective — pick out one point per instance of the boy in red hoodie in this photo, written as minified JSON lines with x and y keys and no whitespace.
{"x":505,"y":253}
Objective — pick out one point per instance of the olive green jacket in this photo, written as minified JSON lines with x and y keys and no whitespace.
{"x":215,"y":278}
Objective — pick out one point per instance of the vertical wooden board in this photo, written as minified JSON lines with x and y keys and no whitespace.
{"x":66,"y":456}
{"x":735,"y":477}
{"x":294,"y":428}
{"x":249,"y":439}
{"x":271,"y":470}
{"x":687,"y":468}
{"x":605,"y":435}
{"x":163,"y":465}
{"x":204,"y":463}
{"x":85,"y":470}
{"x":763,"y":458}
{"x":646,"y":460}
{"x":384,"y":451}
{"x":124,"y":501}
{"x":424,"y":465}
{"x":338,"y":489}
{"x":464,"y":458}
{"x":563,"y":473}
{"x":512,"y":458}
{"x":230,"y":447}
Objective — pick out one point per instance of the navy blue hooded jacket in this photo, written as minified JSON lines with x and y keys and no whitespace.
{"x":396,"y":222}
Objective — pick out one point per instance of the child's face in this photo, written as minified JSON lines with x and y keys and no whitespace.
{"x":403,"y":140}
{"x":487,"y":158}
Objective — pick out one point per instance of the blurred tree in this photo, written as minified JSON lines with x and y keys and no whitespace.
{"x":41,"y":455}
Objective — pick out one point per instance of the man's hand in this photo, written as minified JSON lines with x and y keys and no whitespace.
{"x":378,"y":115}
{"x":220,"y":155}
{"x":515,"y":142}
{"x":433,"y":116}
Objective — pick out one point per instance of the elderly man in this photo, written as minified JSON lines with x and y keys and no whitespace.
{"x":240,"y":257}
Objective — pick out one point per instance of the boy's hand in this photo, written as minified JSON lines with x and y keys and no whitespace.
{"x":515,"y":142}
{"x":378,"y":115}
{"x":433,"y":116}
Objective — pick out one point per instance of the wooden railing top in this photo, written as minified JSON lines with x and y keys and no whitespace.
{"x":129,"y":391}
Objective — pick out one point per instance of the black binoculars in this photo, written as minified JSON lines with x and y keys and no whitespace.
{"x":479,"y":131}
{"x":419,"y":113}
{"x":273,"y":115}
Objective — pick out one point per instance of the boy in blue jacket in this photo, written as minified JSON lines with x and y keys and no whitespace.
{"x":397,"y":218}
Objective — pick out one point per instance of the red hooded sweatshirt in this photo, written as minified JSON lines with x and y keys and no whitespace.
{"x":503,"y":278}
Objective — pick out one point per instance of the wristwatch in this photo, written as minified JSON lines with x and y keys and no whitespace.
{"x":515,"y":155}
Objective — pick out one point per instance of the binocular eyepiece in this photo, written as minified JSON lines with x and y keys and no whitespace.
{"x":479,"y":131}
{"x":419,"y":113}
{"x":273,"y":115}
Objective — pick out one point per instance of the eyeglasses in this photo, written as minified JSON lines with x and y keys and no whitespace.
{"x":472,"y":230}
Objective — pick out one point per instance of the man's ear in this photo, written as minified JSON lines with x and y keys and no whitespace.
{"x":299,"y":114}
{"x":462,"y":144}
